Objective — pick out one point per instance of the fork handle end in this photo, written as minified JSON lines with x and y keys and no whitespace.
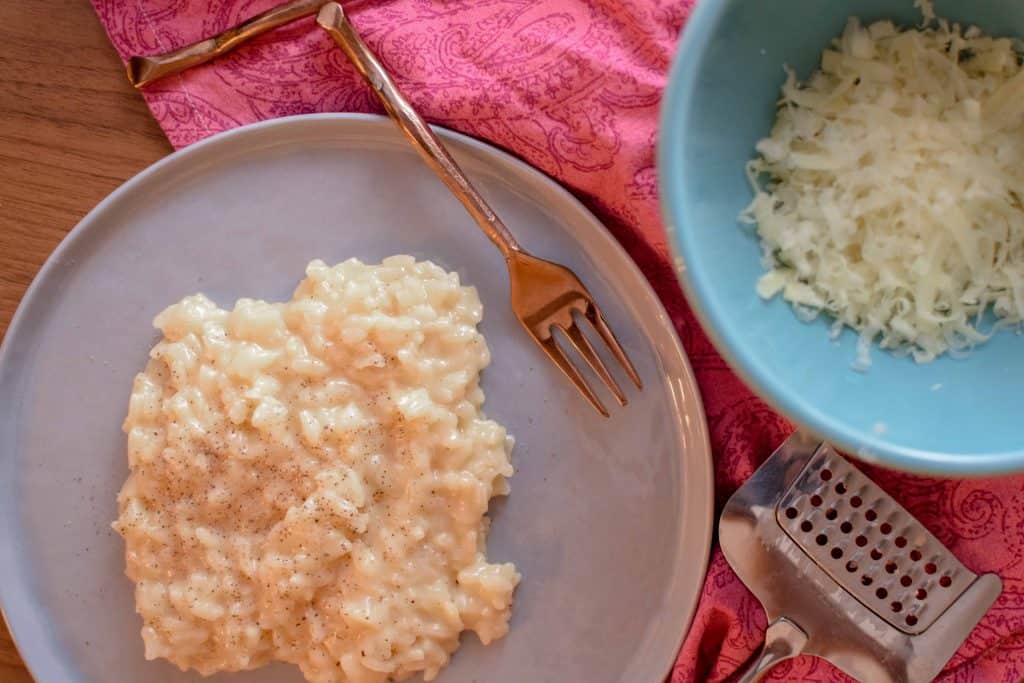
{"x":144,"y":70}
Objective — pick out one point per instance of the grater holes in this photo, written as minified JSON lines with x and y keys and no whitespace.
{"x":864,"y":541}
{"x":930,"y":568}
{"x":945,"y":582}
{"x":826,"y":475}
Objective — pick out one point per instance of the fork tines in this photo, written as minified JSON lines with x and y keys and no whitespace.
{"x":585,"y":349}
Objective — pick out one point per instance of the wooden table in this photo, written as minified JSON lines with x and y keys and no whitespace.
{"x":71,"y":130}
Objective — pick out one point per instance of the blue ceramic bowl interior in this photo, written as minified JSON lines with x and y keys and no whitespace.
{"x":953,"y":416}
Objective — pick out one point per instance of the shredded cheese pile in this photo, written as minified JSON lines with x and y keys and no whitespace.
{"x":889,"y":192}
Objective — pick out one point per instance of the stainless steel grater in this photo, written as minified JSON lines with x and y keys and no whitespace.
{"x":844,"y":572}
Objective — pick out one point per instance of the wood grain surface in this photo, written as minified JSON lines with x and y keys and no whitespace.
{"x":71,"y":130}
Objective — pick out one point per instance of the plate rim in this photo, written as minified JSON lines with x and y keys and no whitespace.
{"x":868,"y":447}
{"x":698,"y":468}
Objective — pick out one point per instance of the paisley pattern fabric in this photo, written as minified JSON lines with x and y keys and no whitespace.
{"x":573,"y":88}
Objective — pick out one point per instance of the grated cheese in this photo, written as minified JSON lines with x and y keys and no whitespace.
{"x":889,"y":194}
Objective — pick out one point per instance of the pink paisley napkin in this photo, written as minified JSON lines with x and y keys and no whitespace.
{"x":572,"y":87}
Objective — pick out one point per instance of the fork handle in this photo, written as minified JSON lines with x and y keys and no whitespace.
{"x":333,"y":20}
{"x":784,"y":639}
{"x":144,"y":70}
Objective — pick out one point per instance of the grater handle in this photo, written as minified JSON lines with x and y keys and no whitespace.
{"x":782,"y":640}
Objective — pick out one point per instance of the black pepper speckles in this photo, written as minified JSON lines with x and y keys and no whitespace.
{"x":248,"y":487}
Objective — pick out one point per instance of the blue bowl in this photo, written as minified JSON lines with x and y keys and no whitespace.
{"x":954,"y":417}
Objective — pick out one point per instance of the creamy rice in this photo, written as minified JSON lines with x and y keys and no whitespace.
{"x":310,"y":480}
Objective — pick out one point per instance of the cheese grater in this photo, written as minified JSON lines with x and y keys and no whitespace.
{"x":844,"y":572}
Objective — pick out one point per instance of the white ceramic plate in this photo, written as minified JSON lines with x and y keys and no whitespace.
{"x":609,"y":520}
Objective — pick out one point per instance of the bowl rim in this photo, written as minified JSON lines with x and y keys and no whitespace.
{"x":866,"y":446}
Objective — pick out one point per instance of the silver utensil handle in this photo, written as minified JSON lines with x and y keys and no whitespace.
{"x":333,"y":20}
{"x":783,"y":639}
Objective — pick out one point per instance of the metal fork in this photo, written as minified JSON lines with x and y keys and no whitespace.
{"x":546,"y":297}
{"x":144,"y":70}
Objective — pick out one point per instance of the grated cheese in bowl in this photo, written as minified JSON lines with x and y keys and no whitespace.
{"x":889,"y":194}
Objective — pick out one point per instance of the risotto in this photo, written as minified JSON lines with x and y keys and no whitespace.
{"x":310,"y":480}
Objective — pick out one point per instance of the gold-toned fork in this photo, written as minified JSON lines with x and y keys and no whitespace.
{"x":144,"y":70}
{"x":546,"y":297}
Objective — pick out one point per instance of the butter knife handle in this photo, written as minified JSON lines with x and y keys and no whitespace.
{"x":333,"y":20}
{"x":144,"y":70}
